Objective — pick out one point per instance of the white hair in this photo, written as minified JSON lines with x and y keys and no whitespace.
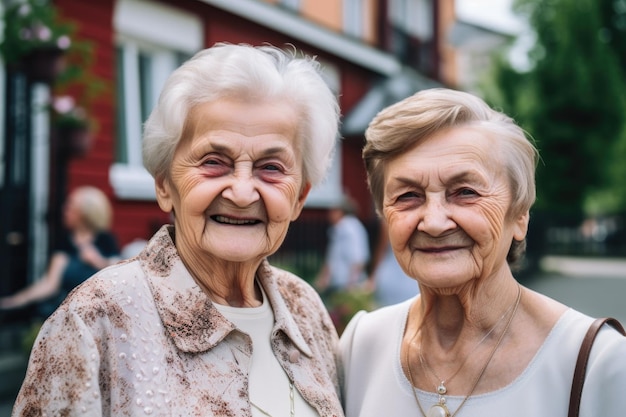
{"x":255,"y":72}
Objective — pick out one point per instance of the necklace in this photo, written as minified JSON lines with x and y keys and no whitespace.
{"x":441,"y":387}
{"x":441,"y":409}
{"x":292,"y":405}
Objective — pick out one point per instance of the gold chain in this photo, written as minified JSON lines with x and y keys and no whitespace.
{"x":475,"y":384}
{"x":292,"y":405}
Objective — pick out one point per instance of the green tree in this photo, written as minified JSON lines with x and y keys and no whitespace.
{"x":572,"y":99}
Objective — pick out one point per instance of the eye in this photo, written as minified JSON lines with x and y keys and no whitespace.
{"x":216,"y":165}
{"x":270,"y":171}
{"x":272,"y":167}
{"x":407,"y":196}
{"x":214,"y":158}
{"x":408,"y":199}
{"x":211,"y":161}
{"x":467,"y":192}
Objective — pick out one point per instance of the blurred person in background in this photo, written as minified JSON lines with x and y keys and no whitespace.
{"x":387,"y":280}
{"x":455,"y":181}
{"x":86,"y":247}
{"x":199,"y":323}
{"x":347,"y":253}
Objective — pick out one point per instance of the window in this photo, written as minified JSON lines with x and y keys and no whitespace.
{"x":414,"y":17}
{"x":353,"y":17}
{"x":412,"y":34}
{"x":146,"y":56}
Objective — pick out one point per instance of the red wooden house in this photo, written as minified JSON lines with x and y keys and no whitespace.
{"x":374,"y":52}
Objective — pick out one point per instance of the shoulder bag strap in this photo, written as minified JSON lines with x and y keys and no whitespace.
{"x":583,"y":358}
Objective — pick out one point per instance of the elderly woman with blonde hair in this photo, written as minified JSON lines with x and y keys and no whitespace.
{"x":200,"y":323}
{"x":86,"y":246}
{"x":455,"y":181}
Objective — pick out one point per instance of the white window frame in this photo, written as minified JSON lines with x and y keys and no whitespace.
{"x":353,"y":17}
{"x":413,"y":16}
{"x":139,"y":27}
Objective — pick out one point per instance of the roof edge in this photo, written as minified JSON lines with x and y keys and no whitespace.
{"x":292,"y":25}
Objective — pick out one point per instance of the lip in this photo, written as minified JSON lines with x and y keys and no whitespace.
{"x":439,"y":249}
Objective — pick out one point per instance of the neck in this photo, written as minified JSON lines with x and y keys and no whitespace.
{"x":226,"y":283}
{"x":82,"y":235}
{"x":435,"y":361}
{"x":451,"y":320}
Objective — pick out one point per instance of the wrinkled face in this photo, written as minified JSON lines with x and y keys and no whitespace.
{"x":446,"y":202}
{"x":236,"y":181}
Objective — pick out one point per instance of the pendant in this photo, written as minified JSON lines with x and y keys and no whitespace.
{"x":441,"y":389}
{"x":438,"y":410}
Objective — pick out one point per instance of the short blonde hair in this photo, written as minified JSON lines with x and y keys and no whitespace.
{"x":94,"y":207}
{"x":411,"y":121}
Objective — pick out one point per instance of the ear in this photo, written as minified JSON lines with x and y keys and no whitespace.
{"x":164,"y":194}
{"x":521,"y":226}
{"x":301,"y":199}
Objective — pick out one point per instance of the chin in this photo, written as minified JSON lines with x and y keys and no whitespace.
{"x":239,"y":252}
{"x":442,"y":278}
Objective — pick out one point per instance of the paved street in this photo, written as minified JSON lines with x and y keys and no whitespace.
{"x":597,"y":288}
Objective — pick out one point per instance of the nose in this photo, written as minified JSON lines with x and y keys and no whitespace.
{"x":242,"y":190}
{"x":435,"y":216}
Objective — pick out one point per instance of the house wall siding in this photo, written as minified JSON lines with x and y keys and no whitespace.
{"x":132,"y":219}
{"x":138,"y":219}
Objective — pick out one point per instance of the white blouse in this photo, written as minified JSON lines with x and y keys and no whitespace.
{"x":374,"y":384}
{"x":269,"y":385}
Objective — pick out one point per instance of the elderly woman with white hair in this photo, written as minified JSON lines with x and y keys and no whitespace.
{"x":87,"y":245}
{"x":454,"y":181}
{"x":200,"y":323}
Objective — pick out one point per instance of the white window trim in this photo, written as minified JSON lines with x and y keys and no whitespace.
{"x":133,"y":105}
{"x":131,"y":180}
{"x":353,"y":17}
{"x":136,"y":21}
{"x":143,"y":19}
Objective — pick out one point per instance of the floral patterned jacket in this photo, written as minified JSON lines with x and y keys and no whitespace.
{"x":142,"y":338}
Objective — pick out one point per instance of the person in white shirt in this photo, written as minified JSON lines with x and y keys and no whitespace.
{"x":347,"y":252}
{"x":454,"y":181}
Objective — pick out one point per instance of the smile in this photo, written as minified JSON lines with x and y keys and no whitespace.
{"x":238,"y":222}
{"x":439,"y":249}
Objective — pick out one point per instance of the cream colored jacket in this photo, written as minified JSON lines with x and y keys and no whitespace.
{"x":141,"y":338}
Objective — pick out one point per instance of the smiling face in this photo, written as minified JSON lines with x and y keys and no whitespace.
{"x":235,"y":182}
{"x":446,"y":202}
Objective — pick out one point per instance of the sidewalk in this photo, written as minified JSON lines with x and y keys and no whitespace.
{"x":577,"y":267}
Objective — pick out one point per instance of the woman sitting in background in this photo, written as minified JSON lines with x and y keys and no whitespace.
{"x":87,"y":247}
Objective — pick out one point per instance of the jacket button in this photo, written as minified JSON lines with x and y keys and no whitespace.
{"x":294,"y":355}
